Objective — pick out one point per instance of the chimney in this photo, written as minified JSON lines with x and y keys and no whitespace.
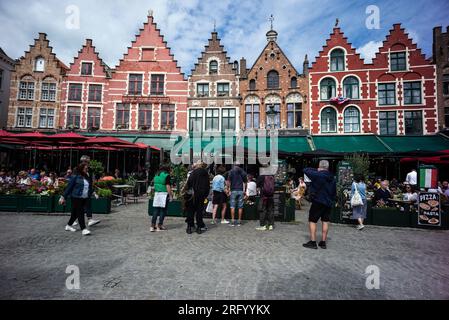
{"x":243,"y":68}
{"x":305,"y":65}
{"x":436,"y":43}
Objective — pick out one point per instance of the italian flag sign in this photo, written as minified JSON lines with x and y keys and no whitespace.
{"x":428,"y":177}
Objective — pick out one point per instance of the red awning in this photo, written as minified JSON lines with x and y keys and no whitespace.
{"x":68,"y":137}
{"x":31,"y":136}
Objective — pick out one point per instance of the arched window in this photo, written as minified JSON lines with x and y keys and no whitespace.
{"x":351,"y":88}
{"x":39,"y":64}
{"x":213,"y":67}
{"x":252,"y":84}
{"x":337,"y":60}
{"x":293,"y":82}
{"x":352,"y":120}
{"x":273,"y":80}
{"x":328,"y":88}
{"x":328,"y":120}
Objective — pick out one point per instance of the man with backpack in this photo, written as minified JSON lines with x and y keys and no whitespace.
{"x":266,"y":184}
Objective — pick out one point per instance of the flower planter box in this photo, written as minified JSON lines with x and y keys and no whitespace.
{"x":390,"y":217}
{"x":174,"y":208}
{"x":35,"y":203}
{"x":9,"y":203}
{"x":101,"y":205}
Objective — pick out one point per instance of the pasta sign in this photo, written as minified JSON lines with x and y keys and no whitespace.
{"x":429,"y":213}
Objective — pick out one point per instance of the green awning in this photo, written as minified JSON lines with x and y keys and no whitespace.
{"x":284,"y":144}
{"x":416,"y":143}
{"x":208,"y":144}
{"x":162,"y":142}
{"x":348,"y":144}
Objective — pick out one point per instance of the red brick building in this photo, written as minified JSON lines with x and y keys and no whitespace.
{"x":85,"y":91}
{"x":393,"y":95}
{"x":147,"y":90}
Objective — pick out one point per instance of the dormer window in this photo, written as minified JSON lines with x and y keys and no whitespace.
{"x":39,"y":64}
{"x":86,"y":69}
{"x":213,"y":67}
{"x":398,"y":61}
{"x":337,"y":60}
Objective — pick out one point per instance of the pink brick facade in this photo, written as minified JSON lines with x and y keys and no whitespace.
{"x":393,"y":95}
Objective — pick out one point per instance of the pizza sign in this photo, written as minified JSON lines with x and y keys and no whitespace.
{"x":429,"y":213}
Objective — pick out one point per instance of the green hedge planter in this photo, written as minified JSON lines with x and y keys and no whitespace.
{"x":101,"y":205}
{"x":9,"y":203}
{"x":174,"y":208}
{"x":390,"y":217}
{"x":35,"y":204}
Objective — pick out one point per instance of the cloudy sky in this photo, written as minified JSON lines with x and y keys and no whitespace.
{"x":303,"y":25}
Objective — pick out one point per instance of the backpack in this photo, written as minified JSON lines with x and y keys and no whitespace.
{"x":268,"y":186}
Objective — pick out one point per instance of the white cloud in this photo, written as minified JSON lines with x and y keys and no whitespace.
{"x":368,"y":50}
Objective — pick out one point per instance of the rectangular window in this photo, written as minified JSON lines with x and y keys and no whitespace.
{"x":135,"y":84}
{"x":95,"y":92}
{"x":73,"y":117}
{"x":223,"y":89}
{"x":168,"y":117}
{"x":196,"y":120}
{"x":212,"y":119}
{"x":47,"y":118}
{"x":157,"y":84}
{"x":148,"y":54}
{"x":277,"y":116}
{"x":252,"y":116}
{"x":24,"y":117}
{"x":26,"y":90}
{"x":446,"y":117}
{"x":446,"y":84}
{"x":86,"y":69}
{"x":202,"y":90}
{"x":398,"y":61}
{"x":387,"y":94}
{"x":413,"y":123}
{"x":122,"y":116}
{"x":294,"y":115}
{"x":145,"y":116}
{"x":75,"y":92}
{"x":48,"y":92}
{"x":228,"y":119}
{"x":93,"y":117}
{"x":412,"y":92}
{"x":387,"y":122}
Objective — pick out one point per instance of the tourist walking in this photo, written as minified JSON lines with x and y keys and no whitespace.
{"x":266,"y":183}
{"x":322,"y":195}
{"x":237,"y":179}
{"x":78,"y":190}
{"x":219,"y":198}
{"x":358,"y":194}
{"x":162,"y":196}
{"x":198,"y":185}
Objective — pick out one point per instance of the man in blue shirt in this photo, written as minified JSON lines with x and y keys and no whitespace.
{"x":34,"y":175}
{"x":237,"y":179}
{"x":323,"y":190}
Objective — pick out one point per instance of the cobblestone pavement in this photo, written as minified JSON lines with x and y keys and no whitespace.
{"x":123,"y":260}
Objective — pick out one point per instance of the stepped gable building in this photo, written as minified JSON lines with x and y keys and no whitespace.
{"x":214,"y":90}
{"x":393,"y":95}
{"x":147,"y":90}
{"x":6,"y":67}
{"x":36,"y":83}
{"x":85,"y":91}
{"x":274,"y":85}
{"x":441,"y":60}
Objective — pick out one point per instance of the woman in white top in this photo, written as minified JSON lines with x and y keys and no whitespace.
{"x":251,"y":189}
{"x":410,"y":194}
{"x":23,"y":178}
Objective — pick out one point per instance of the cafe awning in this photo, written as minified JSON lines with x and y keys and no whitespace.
{"x":284,"y":144}
{"x":402,"y":144}
{"x":350,"y":144}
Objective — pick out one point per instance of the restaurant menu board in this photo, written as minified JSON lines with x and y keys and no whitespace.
{"x":429,"y":213}
{"x":344,"y":180}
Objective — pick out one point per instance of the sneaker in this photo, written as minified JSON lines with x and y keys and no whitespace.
{"x":270,"y":228}
{"x":92,"y":222}
{"x":161,"y":228}
{"x":310,"y":245}
{"x":199,"y":231}
{"x":152,"y":229}
{"x":224,"y":221}
{"x":189,"y":230}
{"x":262,"y":228}
{"x":322,"y":245}
{"x":69,"y":228}
{"x":238,"y":224}
{"x":232,"y":224}
{"x":360,"y":227}
{"x":213,"y":222}
{"x":75,"y":224}
{"x":86,"y":232}
{"x":204,"y":228}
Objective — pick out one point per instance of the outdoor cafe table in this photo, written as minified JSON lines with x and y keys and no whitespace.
{"x":122,"y":188}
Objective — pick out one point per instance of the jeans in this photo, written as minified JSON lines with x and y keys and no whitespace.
{"x":161,"y":212}
{"x":195,"y":209}
{"x":236,"y":200}
{"x":267,"y":214}
{"x":78,"y":205}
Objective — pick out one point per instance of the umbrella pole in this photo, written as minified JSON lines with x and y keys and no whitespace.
{"x":71,"y":154}
{"x":109,"y":156}
{"x":124,"y":163}
{"x":60,"y":156}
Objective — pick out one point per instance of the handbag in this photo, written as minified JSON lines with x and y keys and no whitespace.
{"x":210,"y":207}
{"x":356,"y":199}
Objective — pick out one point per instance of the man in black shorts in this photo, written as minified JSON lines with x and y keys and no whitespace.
{"x":323,"y":190}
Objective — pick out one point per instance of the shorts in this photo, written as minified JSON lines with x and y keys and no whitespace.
{"x":319,"y":211}
{"x":236,"y":200}
{"x":219,"y":198}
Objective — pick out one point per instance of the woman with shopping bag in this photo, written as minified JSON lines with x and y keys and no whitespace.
{"x":162,"y":196}
{"x":358,"y":201}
